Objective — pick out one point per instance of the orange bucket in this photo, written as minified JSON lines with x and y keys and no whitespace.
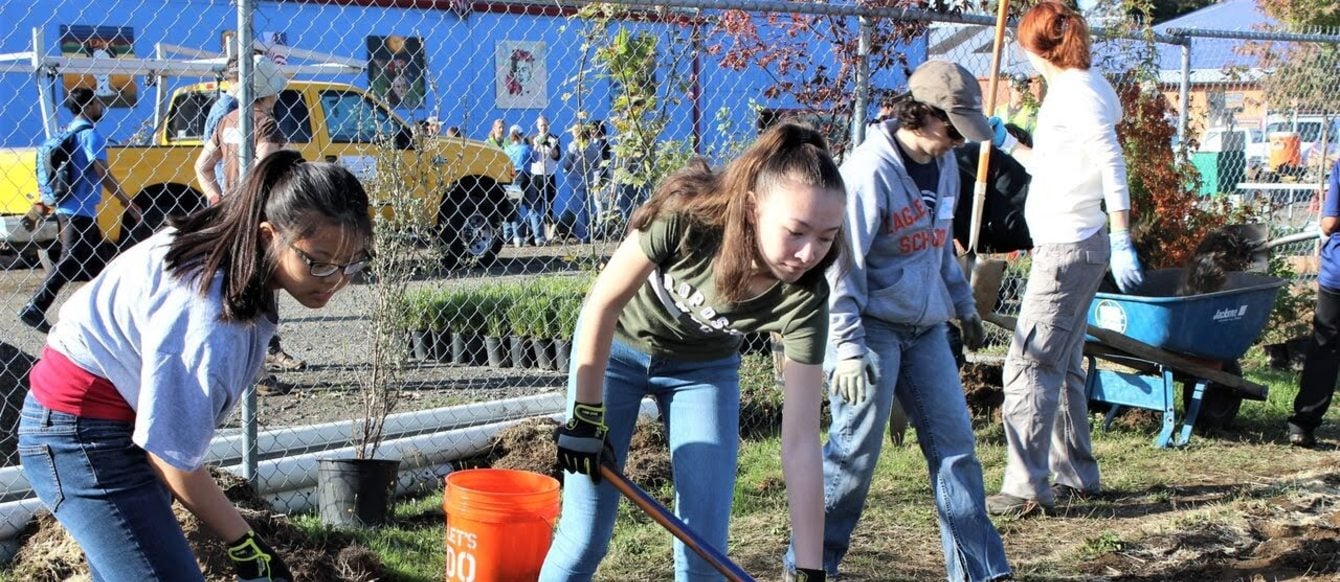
{"x":500,"y":523}
{"x":1285,"y":150}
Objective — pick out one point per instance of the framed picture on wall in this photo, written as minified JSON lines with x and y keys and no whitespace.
{"x":396,"y":67}
{"x":521,"y":77}
{"x":101,"y":42}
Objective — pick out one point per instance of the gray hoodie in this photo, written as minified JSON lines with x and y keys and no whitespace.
{"x":903,"y":267}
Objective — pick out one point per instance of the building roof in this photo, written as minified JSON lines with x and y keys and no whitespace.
{"x":1211,"y":55}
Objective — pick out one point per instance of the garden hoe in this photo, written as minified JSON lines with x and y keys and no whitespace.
{"x":673,"y":524}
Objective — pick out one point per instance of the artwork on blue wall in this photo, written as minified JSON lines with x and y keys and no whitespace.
{"x":396,"y":66}
{"x":101,"y":42}
{"x":521,"y":78}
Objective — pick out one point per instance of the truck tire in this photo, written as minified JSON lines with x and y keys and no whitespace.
{"x":1220,"y":404}
{"x":158,"y":204}
{"x":470,"y":225}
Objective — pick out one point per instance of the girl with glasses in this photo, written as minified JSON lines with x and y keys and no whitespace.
{"x":154,"y":353}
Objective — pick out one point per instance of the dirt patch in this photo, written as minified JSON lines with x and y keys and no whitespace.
{"x":1292,"y":536}
{"x":983,"y":387}
{"x":529,"y":446}
{"x":49,"y":554}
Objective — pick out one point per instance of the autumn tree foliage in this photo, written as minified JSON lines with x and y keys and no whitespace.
{"x":1169,"y":218}
{"x":812,"y":59}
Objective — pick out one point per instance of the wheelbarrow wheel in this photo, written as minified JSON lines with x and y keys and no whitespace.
{"x":1220,"y":404}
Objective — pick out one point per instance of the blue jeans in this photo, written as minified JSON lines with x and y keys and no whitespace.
{"x":700,"y":403}
{"x":99,"y":485}
{"x":918,"y":362}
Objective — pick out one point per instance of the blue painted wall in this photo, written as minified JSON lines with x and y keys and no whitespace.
{"x":459,"y":54}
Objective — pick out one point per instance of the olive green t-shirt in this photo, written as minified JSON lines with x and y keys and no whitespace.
{"x":676,"y":313}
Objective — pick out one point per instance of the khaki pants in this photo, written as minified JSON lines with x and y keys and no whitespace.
{"x":1046,"y":409}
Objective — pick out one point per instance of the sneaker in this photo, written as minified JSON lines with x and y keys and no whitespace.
{"x":279,"y":361}
{"x":1301,"y":437}
{"x":1008,"y":505}
{"x":269,"y":385}
{"x":34,"y":318}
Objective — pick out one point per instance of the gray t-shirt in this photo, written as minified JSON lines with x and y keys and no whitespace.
{"x":677,"y":315}
{"x":163,"y":345}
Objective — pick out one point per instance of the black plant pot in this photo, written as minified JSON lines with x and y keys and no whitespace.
{"x":544,"y":355}
{"x":521,"y":353}
{"x":441,"y":346}
{"x":355,"y":492}
{"x":460,"y":354}
{"x":421,"y":344}
{"x":562,"y":351}
{"x":476,"y":351}
{"x":497,"y":348}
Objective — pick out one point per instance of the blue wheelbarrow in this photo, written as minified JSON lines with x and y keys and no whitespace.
{"x":1195,"y":340}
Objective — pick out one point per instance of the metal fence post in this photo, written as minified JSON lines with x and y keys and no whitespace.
{"x":859,"y":111}
{"x":247,"y":151}
{"x":1184,"y":91}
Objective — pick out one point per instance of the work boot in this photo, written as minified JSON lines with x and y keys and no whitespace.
{"x":280,"y":361}
{"x":269,"y":385}
{"x":1004,"y":504}
{"x":34,"y":318}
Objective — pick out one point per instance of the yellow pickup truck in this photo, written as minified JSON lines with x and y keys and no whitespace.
{"x":333,"y":122}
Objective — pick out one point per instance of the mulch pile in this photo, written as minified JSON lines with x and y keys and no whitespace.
{"x":529,"y":446}
{"x":49,"y":553}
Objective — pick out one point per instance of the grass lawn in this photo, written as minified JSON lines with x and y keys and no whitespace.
{"x":1230,"y":506}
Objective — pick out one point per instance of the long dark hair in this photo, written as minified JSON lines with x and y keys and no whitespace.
{"x":296,"y":197}
{"x":720,"y":202}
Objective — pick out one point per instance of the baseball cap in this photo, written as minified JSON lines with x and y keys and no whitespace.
{"x":266,"y":78}
{"x":515,"y":130}
{"x":953,"y":89}
{"x":1020,"y":80}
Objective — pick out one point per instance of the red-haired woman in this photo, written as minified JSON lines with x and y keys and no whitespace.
{"x":1078,"y":213}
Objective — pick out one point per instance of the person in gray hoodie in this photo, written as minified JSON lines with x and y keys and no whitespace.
{"x":888,"y":320}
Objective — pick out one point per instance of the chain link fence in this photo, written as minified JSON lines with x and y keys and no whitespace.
{"x":452,"y":112}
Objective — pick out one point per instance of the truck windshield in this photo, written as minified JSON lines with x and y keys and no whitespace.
{"x":353,"y":118}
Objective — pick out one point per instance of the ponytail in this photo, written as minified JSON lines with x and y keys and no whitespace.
{"x":294,"y":196}
{"x":1058,"y":34}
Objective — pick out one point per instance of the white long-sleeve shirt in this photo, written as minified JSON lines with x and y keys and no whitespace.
{"x":1076,"y":163}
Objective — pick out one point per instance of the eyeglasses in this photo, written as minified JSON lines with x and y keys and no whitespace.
{"x":950,"y":131}
{"x":322,"y":269}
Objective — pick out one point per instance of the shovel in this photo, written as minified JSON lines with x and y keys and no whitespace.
{"x":673,"y":524}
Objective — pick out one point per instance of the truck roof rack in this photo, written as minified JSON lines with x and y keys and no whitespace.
{"x":200,"y":63}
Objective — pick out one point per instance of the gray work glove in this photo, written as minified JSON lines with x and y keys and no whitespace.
{"x":973,"y":332}
{"x":854,"y":379}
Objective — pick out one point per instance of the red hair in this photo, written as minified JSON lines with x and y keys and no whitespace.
{"x":1055,"y":32}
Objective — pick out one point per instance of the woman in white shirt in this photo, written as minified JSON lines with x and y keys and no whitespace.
{"x":1076,"y":168}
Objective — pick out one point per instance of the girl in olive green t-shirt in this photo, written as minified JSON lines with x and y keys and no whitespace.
{"x":709,"y":258}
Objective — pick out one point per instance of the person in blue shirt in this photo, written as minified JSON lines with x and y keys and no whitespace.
{"x":224,"y":104}
{"x":1317,"y":384}
{"x":76,"y":215}
{"x":520,"y":152}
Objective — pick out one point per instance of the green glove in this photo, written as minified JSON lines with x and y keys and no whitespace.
{"x":854,"y":379}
